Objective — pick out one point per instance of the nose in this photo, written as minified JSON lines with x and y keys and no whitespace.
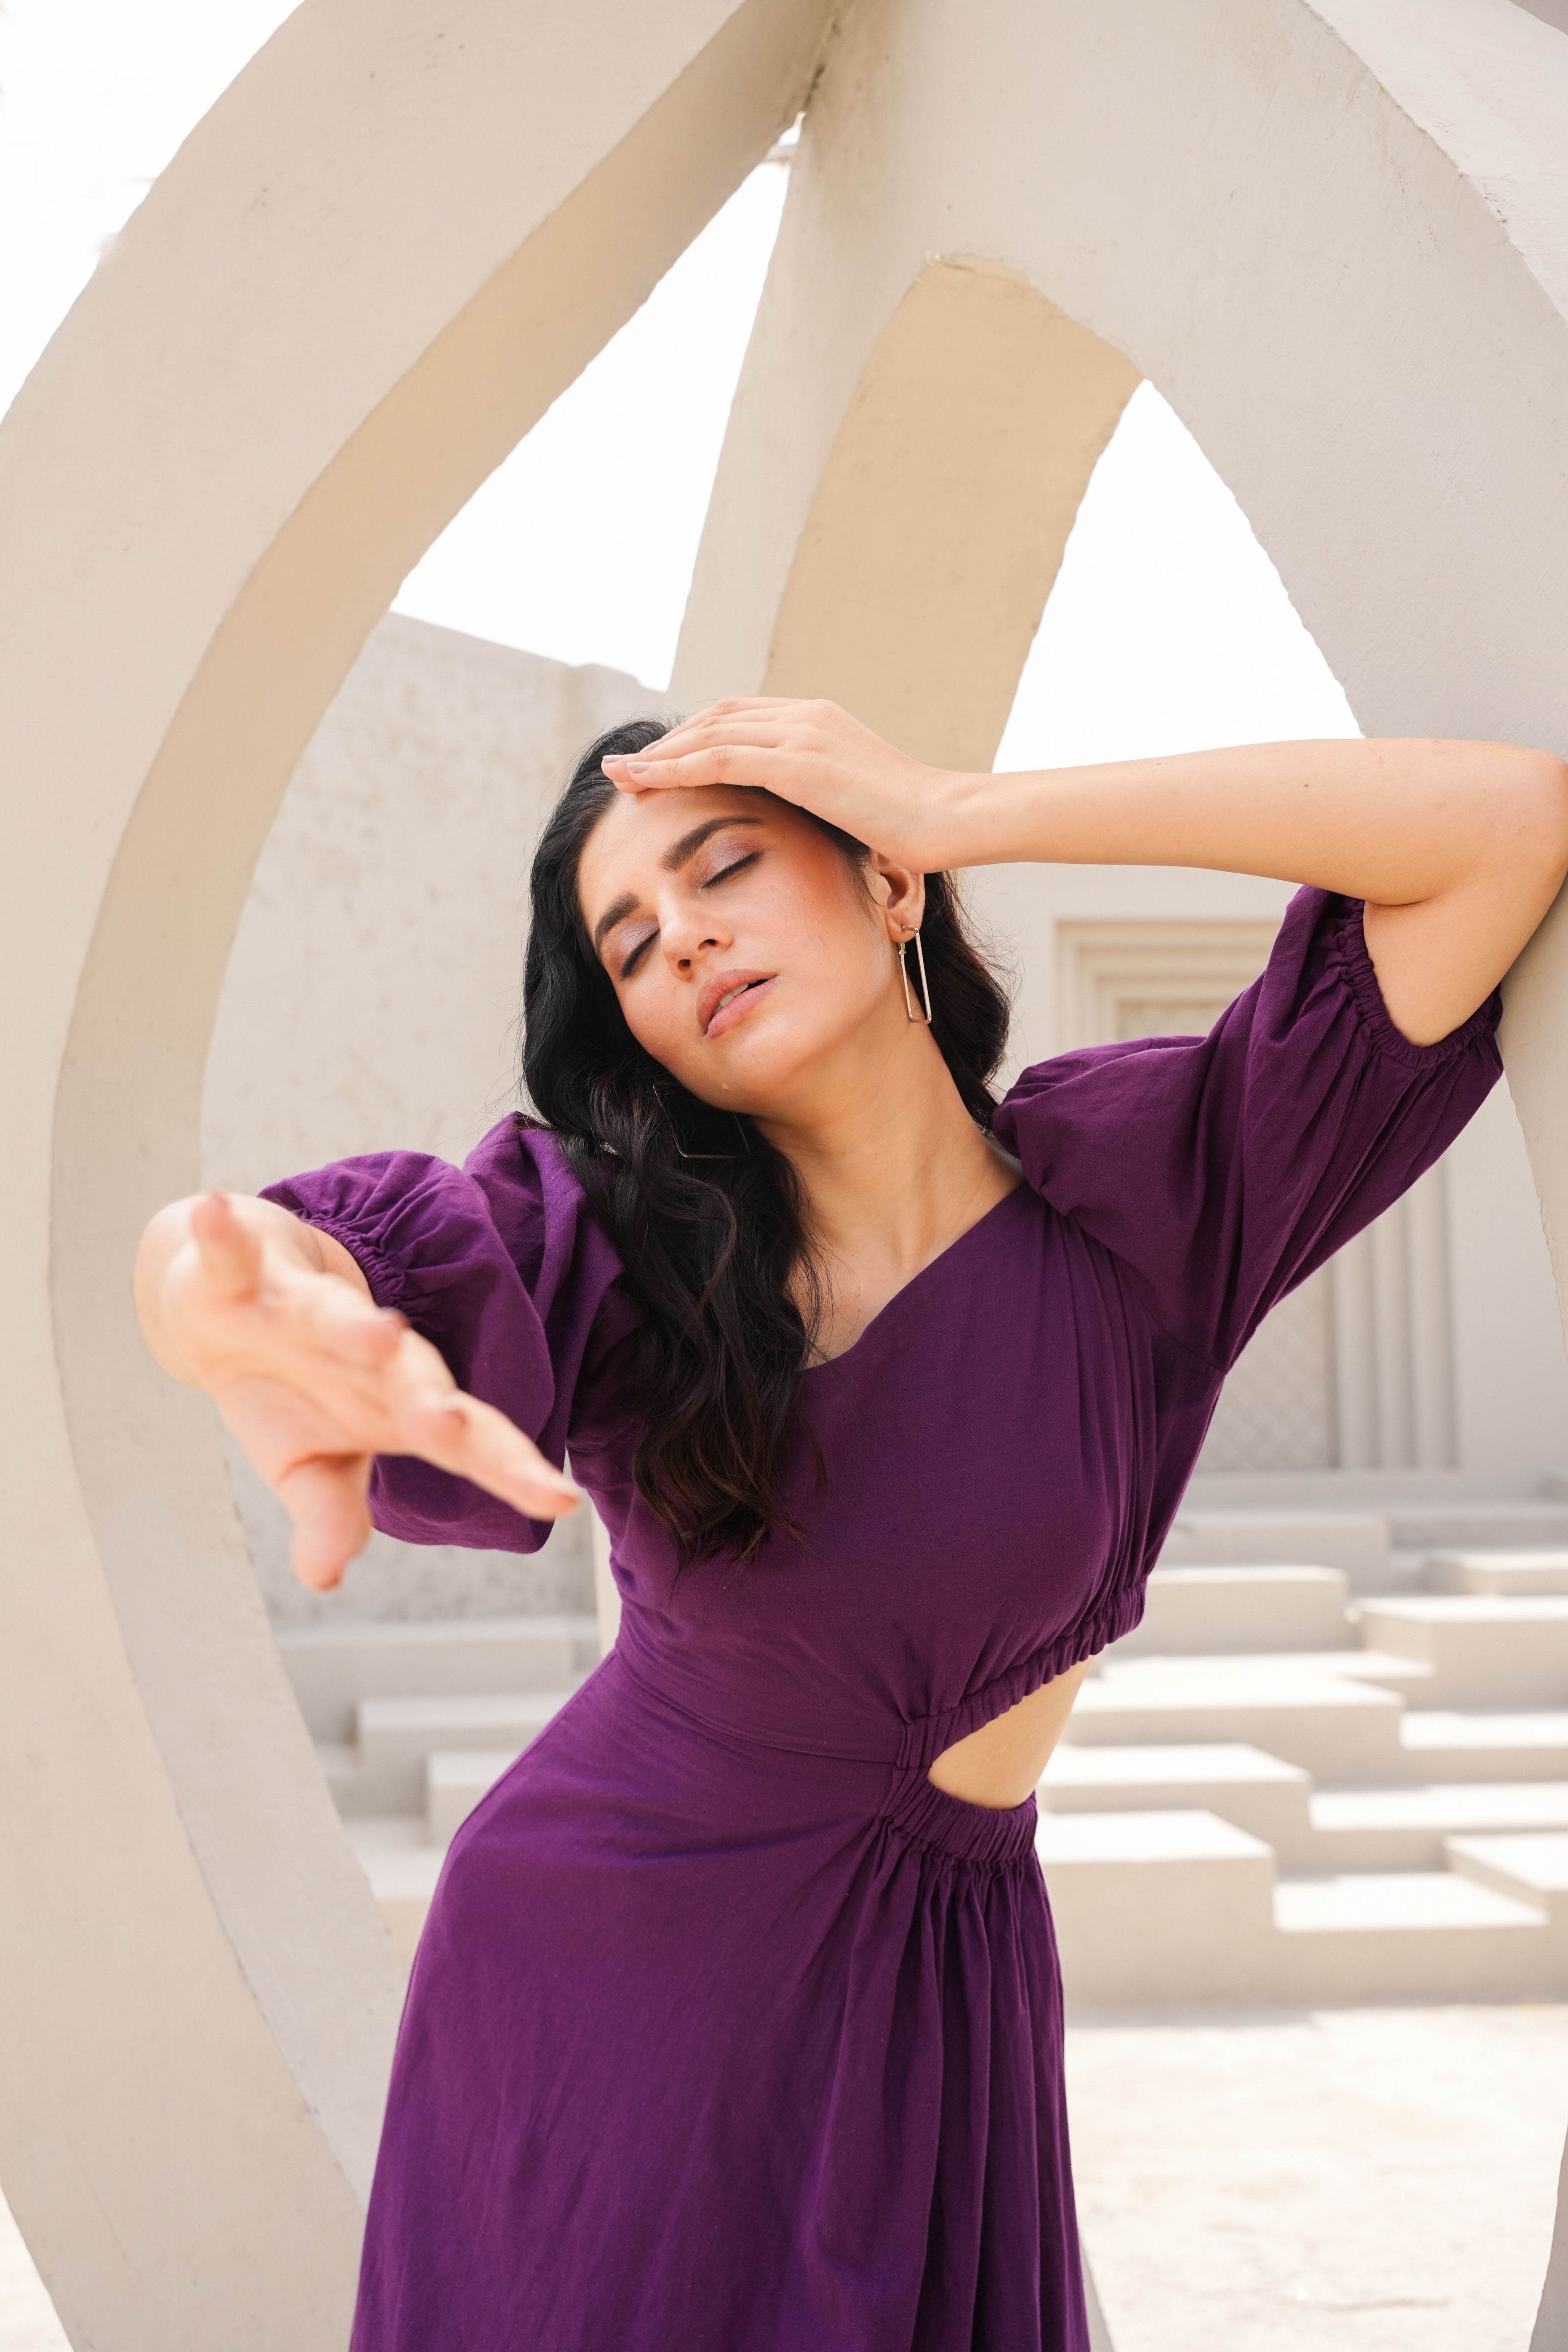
{"x":688,"y":933}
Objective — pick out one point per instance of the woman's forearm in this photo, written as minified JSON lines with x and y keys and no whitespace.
{"x":1390,"y":821}
{"x":1458,"y":849}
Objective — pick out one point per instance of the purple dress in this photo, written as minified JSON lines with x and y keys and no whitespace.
{"x":729,"y":2031}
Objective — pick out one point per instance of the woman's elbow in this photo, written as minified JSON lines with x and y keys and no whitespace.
{"x":1543,"y":808}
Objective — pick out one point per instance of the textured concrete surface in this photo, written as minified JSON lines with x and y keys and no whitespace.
{"x":1373,"y":2181}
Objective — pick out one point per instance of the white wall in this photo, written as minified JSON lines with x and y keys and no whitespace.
{"x":373,"y":991}
{"x":1511,"y":1370}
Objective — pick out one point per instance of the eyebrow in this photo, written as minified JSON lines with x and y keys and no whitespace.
{"x":672,"y":860}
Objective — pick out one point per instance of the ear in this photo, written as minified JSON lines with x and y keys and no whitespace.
{"x":901,"y":893}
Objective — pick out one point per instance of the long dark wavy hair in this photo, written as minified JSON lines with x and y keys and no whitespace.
{"x":712,"y":1245}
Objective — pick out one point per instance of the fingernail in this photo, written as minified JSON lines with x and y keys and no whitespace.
{"x":636,"y":767}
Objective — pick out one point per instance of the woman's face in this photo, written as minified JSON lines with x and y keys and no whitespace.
{"x":749,"y":957}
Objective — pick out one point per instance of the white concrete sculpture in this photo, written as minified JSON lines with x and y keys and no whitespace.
{"x":1331,"y":235}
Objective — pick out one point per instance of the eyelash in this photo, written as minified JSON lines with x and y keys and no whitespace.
{"x":635,"y":957}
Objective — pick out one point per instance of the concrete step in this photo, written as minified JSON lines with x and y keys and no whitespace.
{"x":333,"y":1667}
{"x":1402,"y":1829}
{"x":401,"y":1868}
{"x":1447,"y":1745}
{"x":1257,"y":1793}
{"x":1380,"y":1666}
{"x":454,"y":1780}
{"x":1338,"y":1729}
{"x":1497,"y":1573}
{"x":383,"y":1771}
{"x":1409,"y":1935}
{"x":1157,"y":1907}
{"x":1483,"y":1650}
{"x":1208,"y":1611}
{"x":1153,"y":1909}
{"x":1529,"y":1868}
{"x":1356,"y":1542}
{"x":1395,"y":1827}
{"x":1498,"y":1525}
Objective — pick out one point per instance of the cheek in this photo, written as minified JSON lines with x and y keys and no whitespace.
{"x":654,"y":1014}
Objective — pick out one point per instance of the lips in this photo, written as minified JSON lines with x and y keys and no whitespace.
{"x":723,"y":999}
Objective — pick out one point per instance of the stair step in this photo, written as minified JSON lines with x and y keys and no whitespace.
{"x":1410,"y":1936}
{"x":1400,"y":1829}
{"x":1153,"y":1906}
{"x":399,"y":1730}
{"x":1339,"y":1730}
{"x":1256,"y":1793}
{"x":401,"y":1868}
{"x":1354,"y":1541}
{"x":1446,"y":1745}
{"x":333,"y":1667}
{"x":1500,"y":1525}
{"x":1530,"y":1868}
{"x":1410,"y":1901}
{"x":383,"y":1771}
{"x":1210,"y":1611}
{"x":454,"y":1780}
{"x":1483,"y":1650}
{"x":1497,"y":1573}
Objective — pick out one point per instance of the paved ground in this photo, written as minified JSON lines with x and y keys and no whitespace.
{"x":1348,"y":2180}
{"x":1368,"y":2181}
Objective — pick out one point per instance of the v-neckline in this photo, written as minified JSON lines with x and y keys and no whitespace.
{"x":831,"y":1363}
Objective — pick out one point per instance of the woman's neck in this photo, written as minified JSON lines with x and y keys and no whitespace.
{"x":894,"y":1170}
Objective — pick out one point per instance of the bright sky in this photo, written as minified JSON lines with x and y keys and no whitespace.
{"x":1168,"y":629}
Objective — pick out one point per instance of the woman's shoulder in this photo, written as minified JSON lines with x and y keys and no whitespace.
{"x":414,"y":1220}
{"x":539,"y":1203}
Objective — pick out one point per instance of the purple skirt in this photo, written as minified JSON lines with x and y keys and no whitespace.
{"x":718,"y":2046}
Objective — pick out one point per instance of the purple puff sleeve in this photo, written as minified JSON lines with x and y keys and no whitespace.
{"x":1223,"y":1169}
{"x":501,"y":1266}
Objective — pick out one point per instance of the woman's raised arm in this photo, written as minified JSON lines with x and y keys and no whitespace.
{"x":1457,"y":848}
{"x":276,"y":1321}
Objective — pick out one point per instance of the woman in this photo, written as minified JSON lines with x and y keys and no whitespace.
{"x":736,"y":2025}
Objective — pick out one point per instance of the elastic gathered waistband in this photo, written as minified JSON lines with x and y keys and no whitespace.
{"x":984,"y":1834}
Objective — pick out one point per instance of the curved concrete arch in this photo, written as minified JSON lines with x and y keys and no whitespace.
{"x":937,"y":523}
{"x":1330,"y":234}
{"x":393,"y":243}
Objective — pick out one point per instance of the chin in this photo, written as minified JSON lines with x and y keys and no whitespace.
{"x":766,"y":1086}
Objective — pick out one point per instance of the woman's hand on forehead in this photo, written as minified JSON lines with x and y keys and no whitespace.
{"x":817,"y":756}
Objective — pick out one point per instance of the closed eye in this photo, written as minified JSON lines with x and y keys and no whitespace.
{"x":636,"y":955}
{"x":642,"y":945}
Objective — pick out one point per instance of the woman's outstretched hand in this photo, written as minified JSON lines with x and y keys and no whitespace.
{"x":276,"y":1323}
{"x":814,"y":754}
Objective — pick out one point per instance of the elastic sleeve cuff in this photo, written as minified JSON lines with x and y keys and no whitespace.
{"x":385,"y":1279}
{"x":1348,"y":954}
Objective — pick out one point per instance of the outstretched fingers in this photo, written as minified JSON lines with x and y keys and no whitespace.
{"x":231,"y":1256}
{"x":348,"y":1324}
{"x":459,"y":1433}
{"x":325,"y":1497}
